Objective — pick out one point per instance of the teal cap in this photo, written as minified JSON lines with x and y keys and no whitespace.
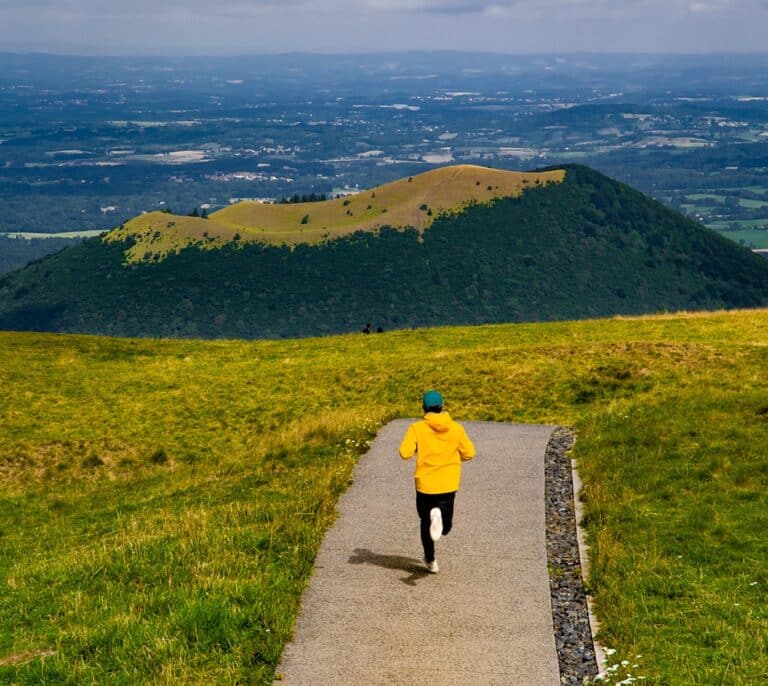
{"x":432,"y":399}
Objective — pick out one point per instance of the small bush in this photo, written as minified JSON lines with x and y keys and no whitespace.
{"x":158,"y":456}
{"x":57,"y":505}
{"x":91,"y":462}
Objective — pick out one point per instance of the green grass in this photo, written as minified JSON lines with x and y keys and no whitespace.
{"x":725,"y":226}
{"x":61,"y":234}
{"x":751,"y":238}
{"x":702,"y":196}
{"x":701,"y":210}
{"x":162,"y":502}
{"x":752,"y":204}
{"x":743,"y":202}
{"x":753,"y":189}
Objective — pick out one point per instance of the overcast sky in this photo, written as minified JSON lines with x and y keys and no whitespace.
{"x":211,"y":27}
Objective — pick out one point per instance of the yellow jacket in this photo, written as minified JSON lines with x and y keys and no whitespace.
{"x":441,"y":445}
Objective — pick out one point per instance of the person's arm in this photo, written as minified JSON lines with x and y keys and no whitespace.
{"x":466,"y":448}
{"x":408,"y":446}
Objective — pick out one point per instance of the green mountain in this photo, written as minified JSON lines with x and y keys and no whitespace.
{"x":580,"y":246}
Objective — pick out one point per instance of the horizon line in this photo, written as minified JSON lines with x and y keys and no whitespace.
{"x":374,"y":53}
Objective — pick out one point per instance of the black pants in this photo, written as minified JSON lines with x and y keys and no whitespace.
{"x":424,"y":503}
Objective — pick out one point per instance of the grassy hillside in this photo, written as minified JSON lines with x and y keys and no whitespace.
{"x":411,"y":202}
{"x":584,"y":247}
{"x":161,"y":501}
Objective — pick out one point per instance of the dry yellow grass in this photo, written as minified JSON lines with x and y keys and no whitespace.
{"x":160,"y":233}
{"x":410,"y":202}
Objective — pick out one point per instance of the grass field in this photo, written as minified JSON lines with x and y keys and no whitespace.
{"x":751,"y":238}
{"x":704,"y":196}
{"x":63,"y":234}
{"x":725,"y":226}
{"x":410,"y":202}
{"x":753,"y":189}
{"x":162,"y":501}
{"x":743,"y":202}
{"x":753,"y":204}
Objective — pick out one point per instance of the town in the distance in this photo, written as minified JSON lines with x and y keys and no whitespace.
{"x":88,"y":143}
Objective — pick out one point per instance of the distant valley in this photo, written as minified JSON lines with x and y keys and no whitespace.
{"x":89,"y":143}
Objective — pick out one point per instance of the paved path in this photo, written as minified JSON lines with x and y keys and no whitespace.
{"x":373,"y":615}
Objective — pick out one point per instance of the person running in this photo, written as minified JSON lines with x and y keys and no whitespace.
{"x":440,"y":445}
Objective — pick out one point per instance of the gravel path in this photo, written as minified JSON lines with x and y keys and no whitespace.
{"x":373,"y":615}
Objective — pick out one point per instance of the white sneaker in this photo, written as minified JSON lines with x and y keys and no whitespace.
{"x":436,"y":523}
{"x":432,"y":567}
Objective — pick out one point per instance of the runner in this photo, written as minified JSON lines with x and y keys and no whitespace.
{"x":440,"y":445}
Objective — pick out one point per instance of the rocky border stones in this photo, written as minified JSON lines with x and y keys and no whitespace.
{"x":570,"y":614}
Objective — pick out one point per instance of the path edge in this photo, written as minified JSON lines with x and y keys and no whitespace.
{"x":586,"y":567}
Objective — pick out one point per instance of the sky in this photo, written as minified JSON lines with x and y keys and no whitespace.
{"x":248,"y":27}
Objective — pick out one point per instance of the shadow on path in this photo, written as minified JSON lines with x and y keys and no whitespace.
{"x":415,"y":568}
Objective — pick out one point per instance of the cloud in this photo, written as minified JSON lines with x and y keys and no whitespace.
{"x":440,"y":6}
{"x":256,"y":26}
{"x":497,"y":10}
{"x":86,"y":8}
{"x":251,"y":7}
{"x":520,"y":8}
{"x":254,"y":8}
{"x":703,"y":6}
{"x":575,"y":7}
